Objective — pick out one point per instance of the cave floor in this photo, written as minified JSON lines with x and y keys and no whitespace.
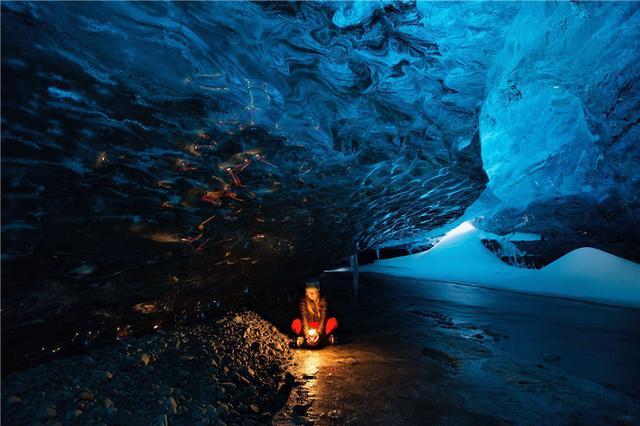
{"x":414,"y":352}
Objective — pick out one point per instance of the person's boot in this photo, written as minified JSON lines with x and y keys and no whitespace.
{"x":331,"y":339}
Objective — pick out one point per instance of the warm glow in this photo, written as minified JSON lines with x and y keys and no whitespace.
{"x":312,"y":337}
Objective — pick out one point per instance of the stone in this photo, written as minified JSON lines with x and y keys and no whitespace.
{"x":212,"y":414}
{"x":144,"y":359}
{"x":51,"y":412}
{"x":238,"y":319}
{"x":165,"y":390}
{"x":254,"y":408}
{"x":222,"y":409}
{"x":86,"y":396}
{"x":197,"y":412}
{"x":161,"y":420}
{"x":172,"y":405}
{"x":14,"y":400}
{"x":229,"y":386}
{"x":265,"y":417}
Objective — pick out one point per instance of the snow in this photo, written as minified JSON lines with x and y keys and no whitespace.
{"x":585,"y":274}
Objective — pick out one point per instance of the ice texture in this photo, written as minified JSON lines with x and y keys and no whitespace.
{"x":153,"y":151}
{"x":559,"y":124}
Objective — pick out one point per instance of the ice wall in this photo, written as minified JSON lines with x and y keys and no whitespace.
{"x":559,"y":125}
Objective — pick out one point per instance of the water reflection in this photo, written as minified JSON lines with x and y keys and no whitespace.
{"x":310,"y":363}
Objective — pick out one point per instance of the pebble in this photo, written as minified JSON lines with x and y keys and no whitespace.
{"x":86,"y":396}
{"x":144,"y":359}
{"x":222,"y":409}
{"x":172,"y":405}
{"x":161,"y":420}
{"x":194,"y":374}
{"x":229,"y":386}
{"x":51,"y":412}
{"x":14,"y":399}
{"x":197,"y":412}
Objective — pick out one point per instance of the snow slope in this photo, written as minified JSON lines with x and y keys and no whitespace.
{"x":586,"y":273}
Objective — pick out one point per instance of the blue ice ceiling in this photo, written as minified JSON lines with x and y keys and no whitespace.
{"x":150,"y":144}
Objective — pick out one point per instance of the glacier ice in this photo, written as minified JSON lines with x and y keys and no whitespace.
{"x":559,"y":124}
{"x":215,"y":144}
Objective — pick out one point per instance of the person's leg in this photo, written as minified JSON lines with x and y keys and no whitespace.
{"x":296,"y":326}
{"x":331,"y":326}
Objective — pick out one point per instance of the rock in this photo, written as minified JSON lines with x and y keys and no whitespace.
{"x":212,"y":414}
{"x":172,"y":405}
{"x":221,"y":374}
{"x":238,"y":319}
{"x":300,"y":420}
{"x":50,"y":412}
{"x":86,"y":396}
{"x":265,"y":417}
{"x":144,"y":359}
{"x":229,"y":386}
{"x":165,"y":390}
{"x":223,"y":409}
{"x":197,"y":412}
{"x":14,"y":400}
{"x":161,"y":420}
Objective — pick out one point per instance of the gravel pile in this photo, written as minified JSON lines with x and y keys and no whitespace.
{"x":229,"y":371}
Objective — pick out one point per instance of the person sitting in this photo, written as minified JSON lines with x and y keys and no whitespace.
{"x":313,"y":323}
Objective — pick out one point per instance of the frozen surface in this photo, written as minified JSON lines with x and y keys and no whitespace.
{"x":585,"y":273}
{"x":161,"y":151}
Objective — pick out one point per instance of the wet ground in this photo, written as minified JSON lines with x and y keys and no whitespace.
{"x":416,"y":352}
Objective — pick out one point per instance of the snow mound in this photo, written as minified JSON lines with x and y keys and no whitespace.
{"x":585,"y":274}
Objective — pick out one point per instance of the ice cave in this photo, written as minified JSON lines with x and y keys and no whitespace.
{"x":367,"y":212}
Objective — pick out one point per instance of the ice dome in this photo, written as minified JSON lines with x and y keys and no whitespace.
{"x":161,"y":150}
